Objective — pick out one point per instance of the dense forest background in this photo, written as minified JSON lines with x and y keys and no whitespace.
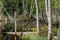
{"x":26,"y":16}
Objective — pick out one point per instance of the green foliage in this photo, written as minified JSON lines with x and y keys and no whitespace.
{"x":41,"y":4}
{"x":56,"y":4}
{"x":1,"y":37}
{"x":25,"y":18}
{"x":44,"y":30}
{"x":30,"y":37}
{"x":34,"y":29}
{"x":0,"y":8}
{"x":34,"y":37}
{"x":16,"y":5}
{"x":55,"y":31}
{"x":8,"y":27}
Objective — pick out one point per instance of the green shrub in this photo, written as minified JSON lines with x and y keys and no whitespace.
{"x":34,"y":37}
{"x":44,"y":31}
{"x":8,"y":27}
{"x":30,"y":37}
{"x":55,"y":31}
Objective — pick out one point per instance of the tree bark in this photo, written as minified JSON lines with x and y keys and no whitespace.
{"x":37,"y":16}
{"x":15,"y":25}
{"x":48,"y":13}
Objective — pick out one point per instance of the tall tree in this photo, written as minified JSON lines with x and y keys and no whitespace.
{"x":48,"y":13}
{"x":37,"y":18}
{"x":15,"y":24}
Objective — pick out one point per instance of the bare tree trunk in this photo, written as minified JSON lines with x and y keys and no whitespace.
{"x":49,"y":21}
{"x":48,"y":13}
{"x":37,"y":16}
{"x":15,"y":24}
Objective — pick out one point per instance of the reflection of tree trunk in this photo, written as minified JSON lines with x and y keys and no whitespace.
{"x":48,"y":13}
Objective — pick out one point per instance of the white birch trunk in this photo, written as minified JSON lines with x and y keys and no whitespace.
{"x":15,"y":24}
{"x":49,"y":21}
{"x":37,"y":16}
{"x":48,"y":13}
